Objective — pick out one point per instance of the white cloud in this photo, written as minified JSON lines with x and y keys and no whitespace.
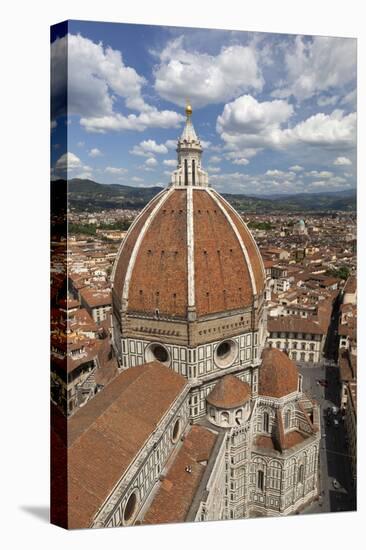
{"x":274,"y":181}
{"x":148,"y":148}
{"x":247,"y":123}
{"x":342,"y":161}
{"x":335,"y":129}
{"x":171,"y":143}
{"x":322,"y":174}
{"x":248,"y":126}
{"x":151,"y":161}
{"x":206,"y":78}
{"x":170,"y":162}
{"x":116,"y":170}
{"x":323,"y":101}
{"x":280,"y":175}
{"x":205,"y":144}
{"x":214,"y":159}
{"x":246,"y":114}
{"x":96,"y":76}
{"x":240,"y":156}
{"x":95,"y":152}
{"x":68,"y":161}
{"x":241,"y":161}
{"x":350,"y":98}
{"x":70,"y":165}
{"x":316,"y":65}
{"x":213,"y":169}
{"x":136,"y":179}
{"x":84,"y":175}
{"x":118,"y":122}
{"x":275,"y":173}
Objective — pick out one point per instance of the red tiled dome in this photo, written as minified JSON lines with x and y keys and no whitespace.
{"x":278,"y":374}
{"x":229,"y":392}
{"x":188,"y":241}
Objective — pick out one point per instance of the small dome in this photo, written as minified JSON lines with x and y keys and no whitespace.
{"x":278,"y":374}
{"x":229,"y":393}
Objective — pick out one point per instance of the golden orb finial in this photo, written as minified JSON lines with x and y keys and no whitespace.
{"x":188,"y":109}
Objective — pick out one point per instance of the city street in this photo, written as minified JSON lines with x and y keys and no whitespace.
{"x":336,"y":489}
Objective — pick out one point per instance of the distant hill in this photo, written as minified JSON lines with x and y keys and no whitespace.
{"x":345,"y":200}
{"x":88,"y":195}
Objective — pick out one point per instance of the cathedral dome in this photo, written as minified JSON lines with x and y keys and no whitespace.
{"x":188,"y":250}
{"x":229,"y":393}
{"x":278,"y":374}
{"x":188,"y":254}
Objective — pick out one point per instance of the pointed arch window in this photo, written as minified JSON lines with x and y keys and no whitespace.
{"x":265,"y":422}
{"x":287,"y":419}
{"x":185,"y":172}
{"x":300,"y":474}
{"x":260,"y":480}
{"x":225,"y":418}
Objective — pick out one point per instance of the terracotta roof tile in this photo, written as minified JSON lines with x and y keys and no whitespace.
{"x":249,"y":242}
{"x":294,"y":438}
{"x":351,"y":285}
{"x":294,"y":324}
{"x":96,"y":297}
{"x":159,"y":277}
{"x":127,"y":247}
{"x":278,"y":375}
{"x":229,"y":392}
{"x":107,"y":433}
{"x":175,"y":495}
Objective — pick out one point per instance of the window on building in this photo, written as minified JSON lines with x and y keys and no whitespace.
{"x":225,"y":418}
{"x":311,"y":358}
{"x":274,"y":476}
{"x":265,"y":422}
{"x":193,"y":172}
{"x":294,"y":355}
{"x":130,"y":508}
{"x":294,"y":345}
{"x":176,"y":430}
{"x":300,"y":474}
{"x":287,"y":419}
{"x":260,"y":480}
{"x":312,"y":347}
{"x":278,"y":345}
{"x":302,"y":357}
{"x":185,"y":172}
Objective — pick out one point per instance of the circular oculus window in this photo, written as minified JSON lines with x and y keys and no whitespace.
{"x":130,"y":510}
{"x":157,"y":352}
{"x":225,"y":353}
{"x":176,"y":430}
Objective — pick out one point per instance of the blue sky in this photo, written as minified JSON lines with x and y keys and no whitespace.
{"x":275,"y":113}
